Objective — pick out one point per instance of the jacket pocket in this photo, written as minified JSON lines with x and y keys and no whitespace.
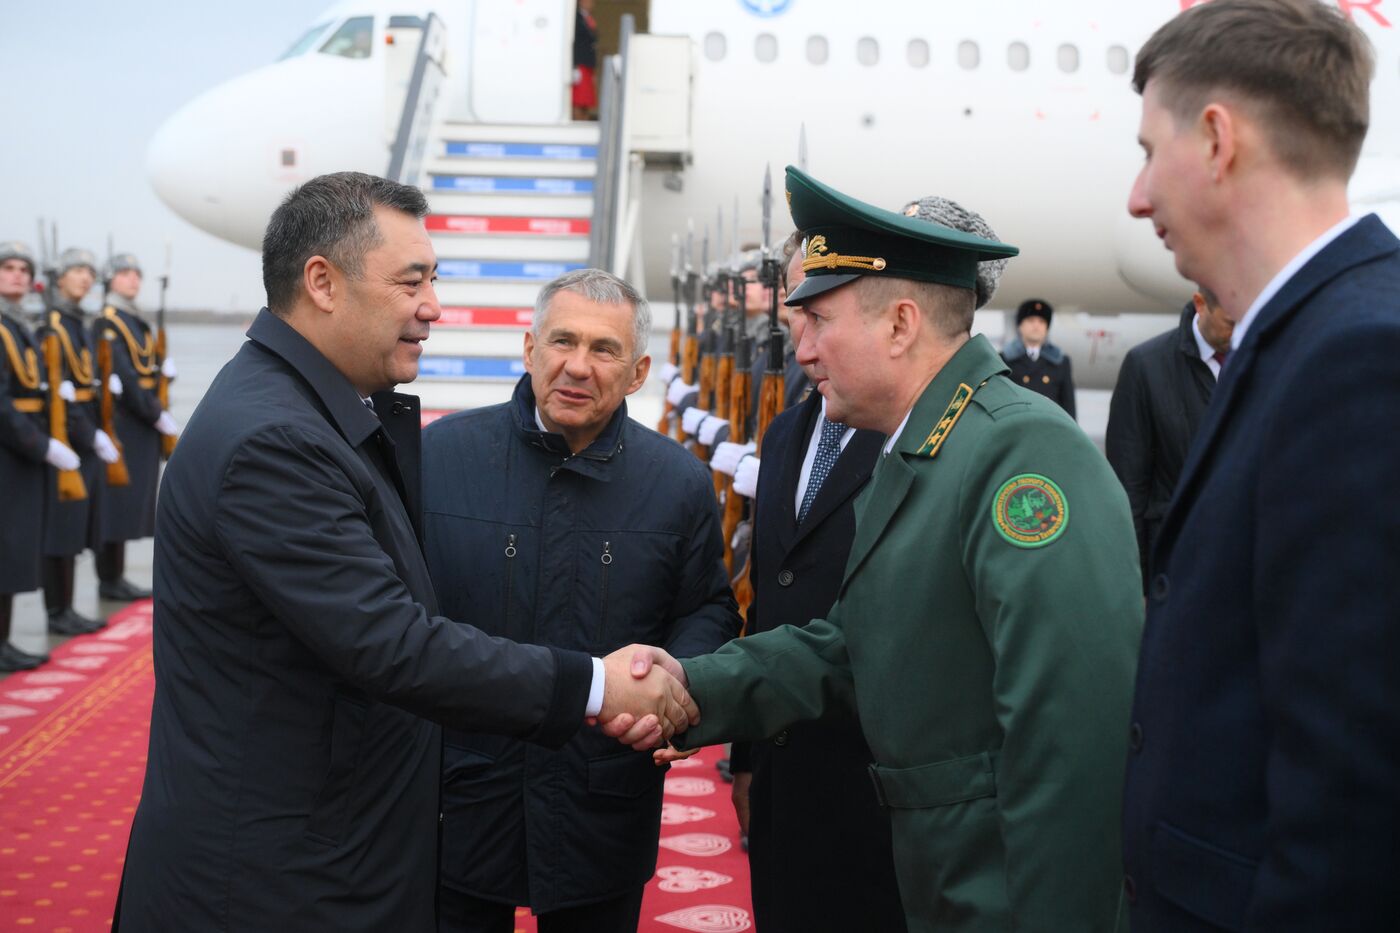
{"x":630,"y":774}
{"x":939,"y":784}
{"x":331,"y":811}
{"x":1210,"y":882}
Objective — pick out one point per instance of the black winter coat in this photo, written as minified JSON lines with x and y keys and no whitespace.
{"x":1050,"y":374}
{"x":291,"y":783}
{"x":618,"y":544}
{"x":24,"y":442}
{"x":819,"y":845}
{"x":1163,"y":389}
{"x":129,"y":512}
{"x":69,"y":526}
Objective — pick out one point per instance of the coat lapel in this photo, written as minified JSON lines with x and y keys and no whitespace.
{"x":852,"y":469}
{"x":1365,"y":241}
{"x":791,"y":465}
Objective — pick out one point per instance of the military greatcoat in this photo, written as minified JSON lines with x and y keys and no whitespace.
{"x":24,"y":441}
{"x":68,"y":526}
{"x":986,"y":632}
{"x":129,"y":512}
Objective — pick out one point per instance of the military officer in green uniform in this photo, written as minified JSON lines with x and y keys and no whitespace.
{"x":987,"y":625}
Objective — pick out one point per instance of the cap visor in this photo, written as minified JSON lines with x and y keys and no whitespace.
{"x":814,"y":285}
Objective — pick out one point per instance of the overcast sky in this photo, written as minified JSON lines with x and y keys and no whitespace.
{"x":85,"y":85}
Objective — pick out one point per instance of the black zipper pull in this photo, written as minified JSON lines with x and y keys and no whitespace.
{"x":510,"y":546}
{"x":607,"y":553}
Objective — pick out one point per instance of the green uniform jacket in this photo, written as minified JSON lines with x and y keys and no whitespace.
{"x":986,"y":633}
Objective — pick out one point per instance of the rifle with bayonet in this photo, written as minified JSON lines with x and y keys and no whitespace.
{"x":709,"y":349}
{"x":167,"y":442}
{"x":662,"y":426}
{"x":690,"y":354}
{"x":740,"y":398}
{"x":724,"y":359}
{"x":117,"y":474}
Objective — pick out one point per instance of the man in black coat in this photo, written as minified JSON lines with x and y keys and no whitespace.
{"x":291,"y":783}
{"x":1163,"y":388}
{"x":127,"y":513}
{"x":1035,"y":362}
{"x":1265,"y":732}
{"x":585,"y":531}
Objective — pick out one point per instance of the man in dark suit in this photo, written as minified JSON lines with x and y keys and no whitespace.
{"x":1163,"y":388}
{"x":1265,"y":738}
{"x":1035,"y":362}
{"x":292,"y":784}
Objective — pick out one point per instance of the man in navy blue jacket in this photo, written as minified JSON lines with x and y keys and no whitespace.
{"x":1265,"y":736}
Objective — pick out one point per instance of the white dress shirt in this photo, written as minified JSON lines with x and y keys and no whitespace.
{"x":1033,"y":353}
{"x":1287,"y":272}
{"x":1206,"y":350}
{"x":807,"y":461}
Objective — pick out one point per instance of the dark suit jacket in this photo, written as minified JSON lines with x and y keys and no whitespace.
{"x":292,"y":783}
{"x":1265,"y":747}
{"x":1162,"y":392}
{"x":819,"y":847}
{"x":1050,"y":374}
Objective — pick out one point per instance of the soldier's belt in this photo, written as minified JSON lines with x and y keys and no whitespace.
{"x":147,"y":382}
{"x":82,"y":395}
{"x":30,"y":405}
{"x":936,"y":785}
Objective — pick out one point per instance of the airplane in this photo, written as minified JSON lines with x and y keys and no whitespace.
{"x":1022,"y":110}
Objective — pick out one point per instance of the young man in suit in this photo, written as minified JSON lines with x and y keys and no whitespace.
{"x":1265,"y":740}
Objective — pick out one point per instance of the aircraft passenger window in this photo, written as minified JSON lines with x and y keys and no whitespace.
{"x":868,"y":51}
{"x":765,"y":47}
{"x":918,"y":53}
{"x":969,"y":56}
{"x":817,"y":50}
{"x":352,"y":40}
{"x":1067,"y":57}
{"x":1117,"y":59}
{"x":304,"y":44}
{"x":1018,"y":56}
{"x":716,"y":46}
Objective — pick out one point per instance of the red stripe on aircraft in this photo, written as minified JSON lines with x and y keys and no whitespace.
{"x":486,"y":317}
{"x":540,"y":226}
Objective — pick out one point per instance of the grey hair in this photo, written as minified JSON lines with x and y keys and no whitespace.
{"x":952,"y":214}
{"x":604,"y":288}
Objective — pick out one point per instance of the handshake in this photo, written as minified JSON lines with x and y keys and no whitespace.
{"x":645,"y":700}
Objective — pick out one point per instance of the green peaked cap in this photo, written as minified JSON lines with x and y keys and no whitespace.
{"x":847,"y":238}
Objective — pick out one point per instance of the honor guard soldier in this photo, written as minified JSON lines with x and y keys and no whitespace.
{"x":986,"y":627}
{"x":70,"y":500}
{"x":25,"y":448}
{"x":1035,"y":362}
{"x":128,"y":370}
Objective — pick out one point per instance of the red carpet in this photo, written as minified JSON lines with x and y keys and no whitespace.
{"x":73,"y":753}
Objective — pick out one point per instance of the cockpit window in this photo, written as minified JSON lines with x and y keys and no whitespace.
{"x":354,"y":39}
{"x":307,"y":40}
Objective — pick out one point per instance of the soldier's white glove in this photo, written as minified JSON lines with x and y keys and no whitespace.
{"x":167,"y":368}
{"x":678,"y":391}
{"x":692,"y":418}
{"x":709,"y":427}
{"x":667,"y":371}
{"x":106,"y":450}
{"x":746,"y":477}
{"x":167,"y":425}
{"x":114,"y":384}
{"x":725,"y":457}
{"x":65,"y":391}
{"x":61,"y":457}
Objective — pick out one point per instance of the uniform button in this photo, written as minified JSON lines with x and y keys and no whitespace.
{"x":1130,"y":888}
{"x":781,"y":738}
{"x":1135,"y":737}
{"x":785,"y":578}
{"x":1045,"y":379}
{"x":1159,"y":586}
{"x":1026,"y":380}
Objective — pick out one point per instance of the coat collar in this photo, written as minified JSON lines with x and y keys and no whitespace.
{"x":927,"y":429}
{"x":592,"y":458}
{"x":1014,"y":349}
{"x":1364,"y":242}
{"x":354,"y":421}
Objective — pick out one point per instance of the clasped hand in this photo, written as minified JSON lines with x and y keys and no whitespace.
{"x":645,"y":701}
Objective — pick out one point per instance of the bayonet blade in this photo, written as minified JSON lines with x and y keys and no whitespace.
{"x":802,"y":147}
{"x":734,"y":240}
{"x":675,"y":255}
{"x":767,"y":207}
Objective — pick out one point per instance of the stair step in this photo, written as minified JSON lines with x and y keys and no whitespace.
{"x":488,"y":294}
{"x":565,"y":134}
{"x":506,"y":184}
{"x":479,"y":224}
{"x":508,"y":168}
{"x":524,"y":249}
{"x":471,"y":368}
{"x":476,"y":317}
{"x":537,"y":272}
{"x":482,"y":149}
{"x":458,"y":342}
{"x":509,"y":205}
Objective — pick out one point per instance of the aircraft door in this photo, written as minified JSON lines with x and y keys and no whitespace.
{"x":521,"y":61}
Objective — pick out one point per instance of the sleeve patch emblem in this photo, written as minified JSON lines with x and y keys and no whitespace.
{"x":1030,"y":511}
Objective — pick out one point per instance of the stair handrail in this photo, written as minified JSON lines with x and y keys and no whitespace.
{"x":611,"y":187}
{"x":406,"y":159}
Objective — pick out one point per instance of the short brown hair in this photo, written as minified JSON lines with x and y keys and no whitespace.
{"x":1302,"y":62}
{"x":950,"y":309}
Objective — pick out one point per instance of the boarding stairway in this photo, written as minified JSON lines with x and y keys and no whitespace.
{"x":509,"y":209}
